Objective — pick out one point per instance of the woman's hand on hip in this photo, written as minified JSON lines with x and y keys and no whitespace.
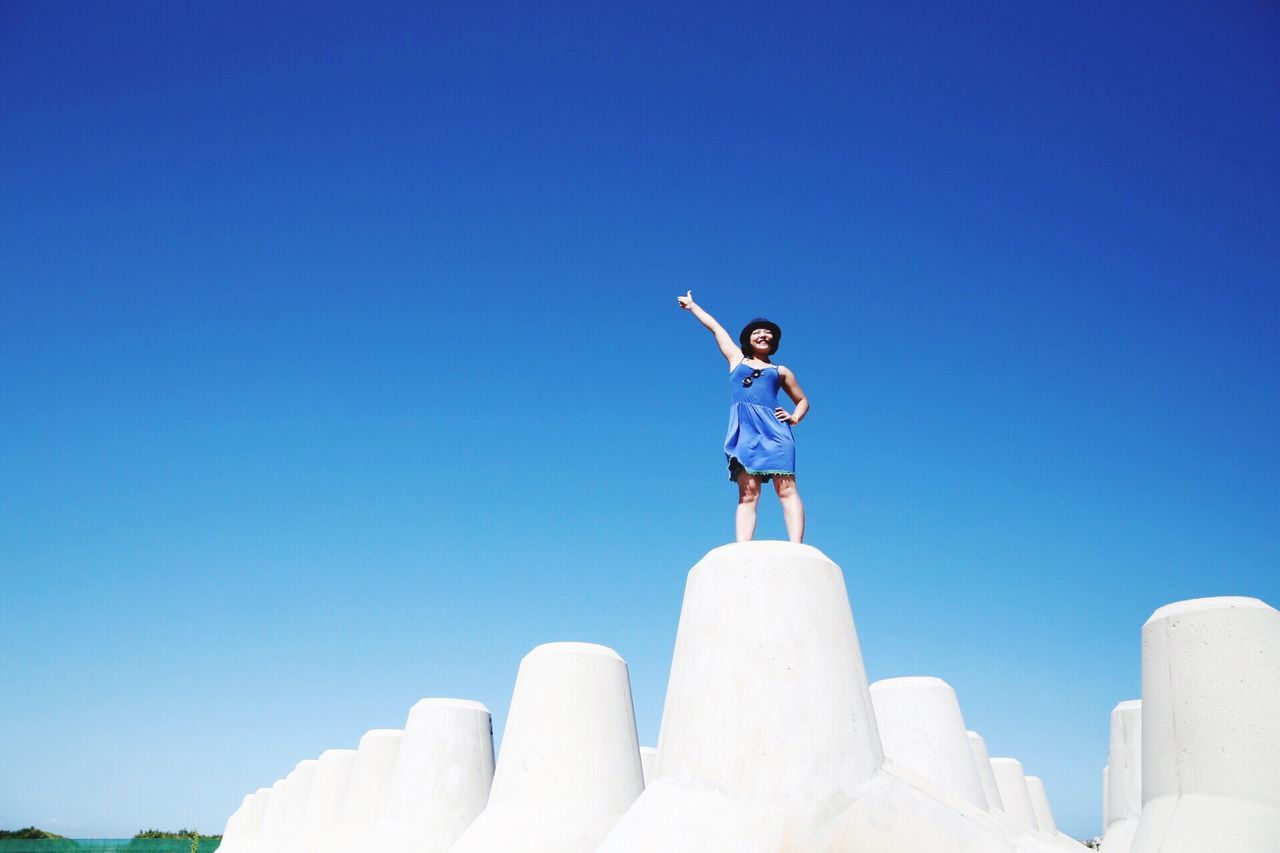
{"x":781,"y":414}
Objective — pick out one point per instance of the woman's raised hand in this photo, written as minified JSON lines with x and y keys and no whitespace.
{"x":686,"y":301}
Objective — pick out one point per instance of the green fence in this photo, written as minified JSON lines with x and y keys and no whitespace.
{"x":105,"y":845}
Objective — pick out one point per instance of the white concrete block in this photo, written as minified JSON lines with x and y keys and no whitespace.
{"x":1014,"y":793}
{"x":768,"y":739}
{"x":921,"y":728}
{"x":442,"y":777}
{"x":371,"y":772}
{"x":1210,"y":737}
{"x":648,"y":757}
{"x":1123,"y":792}
{"x":570,"y":761}
{"x":1040,"y":805}
{"x":324,"y":806}
{"x":982,"y":763}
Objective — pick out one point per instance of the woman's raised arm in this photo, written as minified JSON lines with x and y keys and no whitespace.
{"x":728,"y":347}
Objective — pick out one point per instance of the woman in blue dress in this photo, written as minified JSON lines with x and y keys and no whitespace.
{"x":759,"y":446}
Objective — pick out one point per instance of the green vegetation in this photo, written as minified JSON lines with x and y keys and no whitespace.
{"x":193,"y":834}
{"x":29,"y":832}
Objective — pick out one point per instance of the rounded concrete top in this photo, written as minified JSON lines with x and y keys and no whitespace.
{"x":1034,"y":779}
{"x":1128,"y":705}
{"x":574,"y":649}
{"x":1007,"y":761}
{"x":263,"y":791}
{"x":380,"y":734}
{"x":1195,"y":605}
{"x":915,"y":682}
{"x":758,"y":548}
{"x":331,"y":754}
{"x":462,"y":704}
{"x":974,"y":735}
{"x":305,"y":763}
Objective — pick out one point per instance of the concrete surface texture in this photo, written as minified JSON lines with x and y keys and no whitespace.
{"x":768,"y":739}
{"x":324,"y":805}
{"x":982,"y":763}
{"x":1122,"y":784}
{"x":1040,"y":805}
{"x":1106,"y":796}
{"x":441,"y":780}
{"x":570,"y":760}
{"x":1014,"y":792}
{"x":648,"y":757}
{"x":1210,"y":738}
{"x":366,"y":792}
{"x":921,"y":728}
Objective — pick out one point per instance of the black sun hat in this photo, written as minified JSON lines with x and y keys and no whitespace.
{"x":744,"y":337}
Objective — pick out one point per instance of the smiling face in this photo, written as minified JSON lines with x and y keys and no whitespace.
{"x":761,"y":342}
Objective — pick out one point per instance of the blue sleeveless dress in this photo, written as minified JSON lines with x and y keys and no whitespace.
{"x":757,"y":441}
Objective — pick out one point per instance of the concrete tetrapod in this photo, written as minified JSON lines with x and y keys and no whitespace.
{"x":1040,"y":805}
{"x":922,"y":729}
{"x":366,"y":792}
{"x":442,"y":777}
{"x":1123,"y":793}
{"x":1044,"y":814}
{"x":283,"y":817}
{"x":243,"y":825}
{"x":324,"y":806}
{"x":768,"y":740}
{"x":1210,"y":738}
{"x":982,"y":763}
{"x":570,"y":761}
{"x":1014,"y":793}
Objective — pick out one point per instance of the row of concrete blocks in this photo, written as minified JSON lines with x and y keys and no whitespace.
{"x":771,"y":740}
{"x":1194,"y":766}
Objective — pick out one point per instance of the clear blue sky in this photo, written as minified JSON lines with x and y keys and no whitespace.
{"x":340,"y":361}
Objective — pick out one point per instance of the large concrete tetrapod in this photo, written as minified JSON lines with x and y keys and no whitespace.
{"x":982,"y":763}
{"x":1040,"y":805}
{"x":324,"y":806}
{"x":1012,"y":782}
{"x":768,"y":738}
{"x":570,"y":762}
{"x":1210,"y":730}
{"x":442,"y":777}
{"x":1123,"y":780}
{"x":366,"y":792}
{"x":243,"y":825}
{"x":922,"y":729}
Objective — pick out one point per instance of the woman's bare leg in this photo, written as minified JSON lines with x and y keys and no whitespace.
{"x":792,"y":507}
{"x":748,"y":500}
